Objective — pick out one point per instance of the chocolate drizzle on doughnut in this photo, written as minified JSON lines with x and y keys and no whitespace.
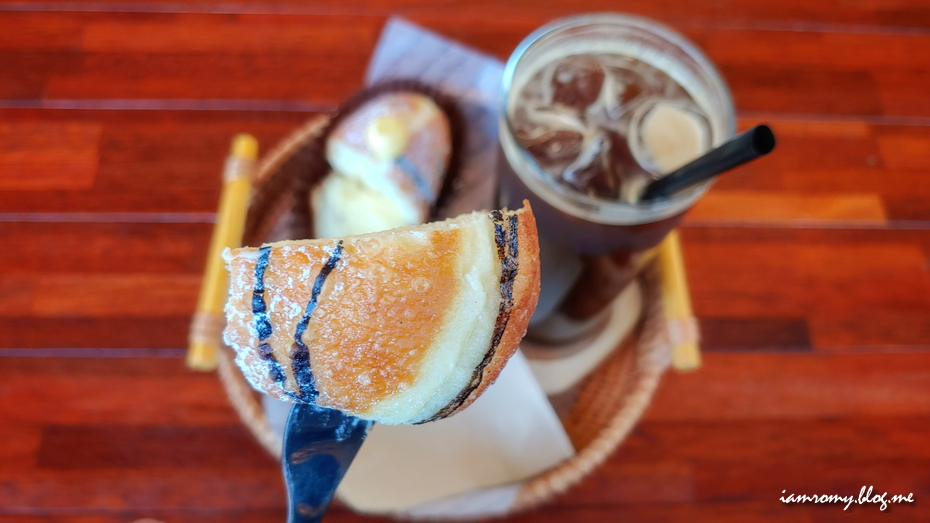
{"x":300,"y":354}
{"x":508,"y":251}
{"x":426,"y":192}
{"x":262,"y":323}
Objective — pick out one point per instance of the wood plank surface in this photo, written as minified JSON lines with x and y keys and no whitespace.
{"x":805,"y":15}
{"x":695,"y":446}
{"x":809,"y":269}
{"x":48,"y":157}
{"x":831,"y":70}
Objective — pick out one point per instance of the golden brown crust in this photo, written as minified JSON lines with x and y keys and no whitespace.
{"x":280,"y":293}
{"x":525,"y":295}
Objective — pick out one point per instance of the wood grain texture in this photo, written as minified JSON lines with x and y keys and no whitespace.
{"x":781,"y":386}
{"x":20,"y":31}
{"x":773,"y":206}
{"x":18,"y":331}
{"x":56,"y":247}
{"x":901,"y":13}
{"x":754,"y":333}
{"x":48,"y":157}
{"x":125,"y":391}
{"x":809,"y":269}
{"x":250,"y":34}
{"x":67,"y":447}
{"x":889,"y":330}
{"x":161,"y":487}
{"x":833,"y":70}
{"x":106,"y":295}
{"x":149,"y":161}
{"x":781,"y":279}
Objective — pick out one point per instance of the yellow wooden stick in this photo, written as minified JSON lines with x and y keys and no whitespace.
{"x":676,"y":300}
{"x":207,"y":325}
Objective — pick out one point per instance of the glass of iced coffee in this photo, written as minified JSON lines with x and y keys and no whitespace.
{"x":595,"y":108}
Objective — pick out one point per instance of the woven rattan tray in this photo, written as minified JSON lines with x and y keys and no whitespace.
{"x":603,"y":408}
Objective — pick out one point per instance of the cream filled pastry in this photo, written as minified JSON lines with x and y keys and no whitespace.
{"x":402,"y":326}
{"x":389,"y":158}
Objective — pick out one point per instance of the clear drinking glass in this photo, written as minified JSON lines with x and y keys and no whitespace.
{"x":590,"y":247}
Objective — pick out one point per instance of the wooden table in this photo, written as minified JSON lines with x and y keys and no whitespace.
{"x":809,"y":269}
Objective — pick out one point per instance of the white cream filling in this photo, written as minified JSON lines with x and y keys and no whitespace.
{"x":464,"y":337}
{"x":373,"y":173}
{"x":342,"y":206}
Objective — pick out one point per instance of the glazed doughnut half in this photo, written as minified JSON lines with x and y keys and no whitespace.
{"x":389,"y":159}
{"x":403,"y":326}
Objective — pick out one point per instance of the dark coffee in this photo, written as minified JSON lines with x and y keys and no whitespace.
{"x":585,"y":265}
{"x":594,"y":122}
{"x":595,"y":108}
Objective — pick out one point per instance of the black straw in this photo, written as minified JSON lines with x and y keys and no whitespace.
{"x":756,"y":142}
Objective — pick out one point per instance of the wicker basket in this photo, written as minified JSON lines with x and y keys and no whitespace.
{"x":602,"y":409}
